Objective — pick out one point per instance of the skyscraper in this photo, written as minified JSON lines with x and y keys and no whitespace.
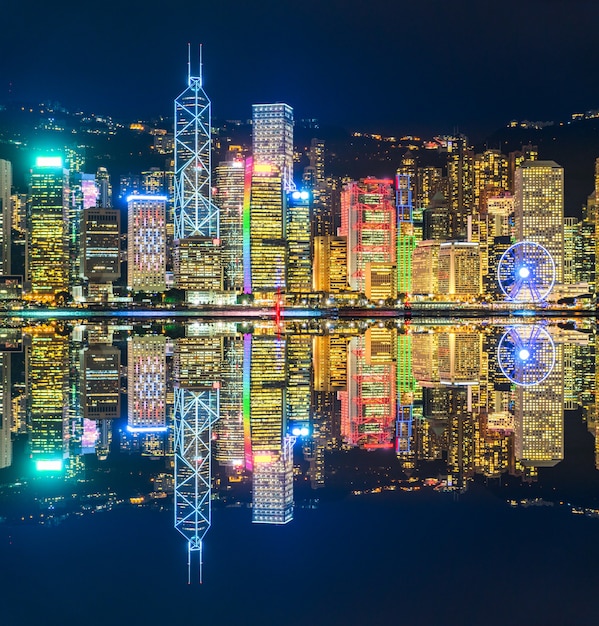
{"x":272,"y":138}
{"x":264,"y":230}
{"x":299,"y":242}
{"x":101,"y":248}
{"x":369,"y":221}
{"x":146,"y":369}
{"x":197,"y":258}
{"x":46,"y":254}
{"x":5,"y":214}
{"x":539,"y":208}
{"x":228,"y":196}
{"x":146,"y":243}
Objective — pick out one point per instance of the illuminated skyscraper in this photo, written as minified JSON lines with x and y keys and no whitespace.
{"x":146,"y":395}
{"x":539,"y":419}
{"x":460,"y":161}
{"x":5,"y":411}
{"x":198,"y":363}
{"x":104,"y":188}
{"x":101,"y":384}
{"x":459,"y":269}
{"x":299,"y":244}
{"x":369,"y":406}
{"x":101,"y":248}
{"x":197,"y":259}
{"x":406,"y":241}
{"x":228,"y":196}
{"x":369,"y":221}
{"x":46,"y":254}
{"x":490,"y":171}
{"x":264,"y":230}
{"x":539,"y":208}
{"x":47,"y":368}
{"x":272,"y":139}
{"x":5,"y":214}
{"x":571,"y":229}
{"x":146,"y":243}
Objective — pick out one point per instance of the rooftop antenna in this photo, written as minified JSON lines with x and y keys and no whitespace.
{"x":189,"y":63}
{"x":201,"y":67}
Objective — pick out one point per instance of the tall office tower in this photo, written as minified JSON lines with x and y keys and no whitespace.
{"x":436,"y":221}
{"x":330,"y":264}
{"x":104,"y":188}
{"x":460,"y":161}
{"x":46,"y":378}
{"x":5,"y":411}
{"x":490,"y":171}
{"x":299,"y":242}
{"x":527,"y":153}
{"x":369,"y":406}
{"x":197,"y":375}
{"x":84,"y":194}
{"x":539,"y":208}
{"x":272,"y":139}
{"x":5,"y":214}
{"x":229,"y":442}
{"x":46,"y":253}
{"x":299,"y":380}
{"x":406,"y":241}
{"x":101,"y":384}
{"x":494,"y":237}
{"x":461,"y":436}
{"x":314,"y":179}
{"x":425,"y":267}
{"x":406,"y":395}
{"x":153,"y":182}
{"x":429,"y":182}
{"x":197,"y":255}
{"x":269,"y":449}
{"x":369,"y":221}
{"x":228,"y":197}
{"x":409,"y":168}
{"x":146,"y":243}
{"x":101,"y":250}
{"x":571,"y":228}
{"x":146,"y":389}
{"x":459,"y":269}
{"x":265,"y":247}
{"x":539,"y":419}
{"x":586,"y":244}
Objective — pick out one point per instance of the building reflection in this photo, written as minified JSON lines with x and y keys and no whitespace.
{"x":264,"y":416}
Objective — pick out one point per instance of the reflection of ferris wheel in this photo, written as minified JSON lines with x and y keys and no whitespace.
{"x":526,"y":355}
{"x":526,"y":272}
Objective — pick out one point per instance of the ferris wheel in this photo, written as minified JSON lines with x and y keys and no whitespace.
{"x":526,"y":354}
{"x":526,"y":272}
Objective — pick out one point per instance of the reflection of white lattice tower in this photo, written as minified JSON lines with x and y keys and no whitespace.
{"x":195,"y":413}
{"x":272,"y":493}
{"x":196,"y":217}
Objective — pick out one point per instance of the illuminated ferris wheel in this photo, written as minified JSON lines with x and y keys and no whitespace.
{"x":526,"y":272}
{"x":526,"y":354}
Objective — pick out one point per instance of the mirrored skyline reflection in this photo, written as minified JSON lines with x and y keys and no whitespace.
{"x":190,"y":418}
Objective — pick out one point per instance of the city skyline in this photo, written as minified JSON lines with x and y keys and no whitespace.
{"x":457,"y":51}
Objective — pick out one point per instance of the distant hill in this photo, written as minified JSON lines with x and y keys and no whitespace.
{"x":573,"y":145}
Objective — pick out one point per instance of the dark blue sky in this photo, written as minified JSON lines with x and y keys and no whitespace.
{"x":389,"y":64}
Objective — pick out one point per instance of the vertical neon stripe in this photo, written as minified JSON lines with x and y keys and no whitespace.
{"x":247,"y":193}
{"x":247,"y":364}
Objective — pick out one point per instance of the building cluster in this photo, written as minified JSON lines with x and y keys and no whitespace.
{"x":244,"y":229}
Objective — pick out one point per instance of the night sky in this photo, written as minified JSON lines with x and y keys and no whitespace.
{"x":389,"y":65}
